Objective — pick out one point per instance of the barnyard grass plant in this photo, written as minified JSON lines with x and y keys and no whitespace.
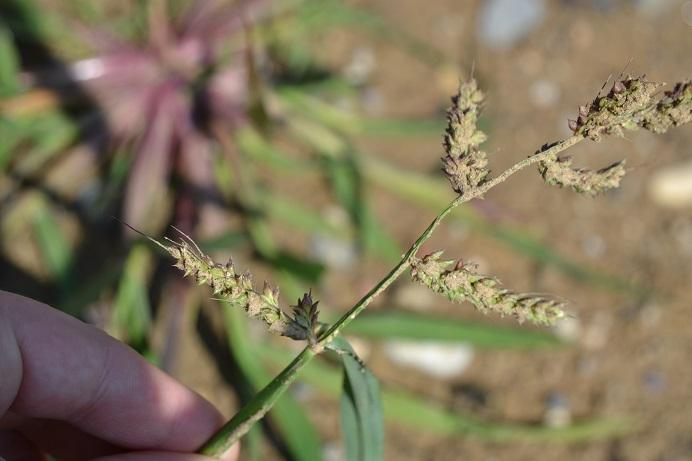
{"x":631,"y":103}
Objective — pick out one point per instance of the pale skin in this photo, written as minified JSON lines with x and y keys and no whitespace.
{"x":69,"y":389}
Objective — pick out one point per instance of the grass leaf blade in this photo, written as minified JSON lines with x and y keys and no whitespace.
{"x":424,"y":327}
{"x":360,"y":404}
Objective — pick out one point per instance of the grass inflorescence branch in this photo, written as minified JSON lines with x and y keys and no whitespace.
{"x":631,"y":103}
{"x":238,"y":289}
{"x":459,"y":282}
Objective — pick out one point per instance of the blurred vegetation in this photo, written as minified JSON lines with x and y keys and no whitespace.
{"x":171,"y":114}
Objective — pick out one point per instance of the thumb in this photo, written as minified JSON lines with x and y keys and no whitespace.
{"x":230,"y":455}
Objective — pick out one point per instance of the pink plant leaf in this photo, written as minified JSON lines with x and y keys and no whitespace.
{"x":147,"y":182}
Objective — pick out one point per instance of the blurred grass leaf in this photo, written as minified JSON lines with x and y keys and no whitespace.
{"x":347,"y":186}
{"x":404,"y":128}
{"x":46,"y":136}
{"x":362,"y":419}
{"x":318,"y":15}
{"x":11,"y":136}
{"x":55,"y":248}
{"x":351,"y":123}
{"x":406,"y":409}
{"x":9,"y":64}
{"x":423,"y":327}
{"x":132,"y":311}
{"x":254,"y":145}
{"x":225,"y":241}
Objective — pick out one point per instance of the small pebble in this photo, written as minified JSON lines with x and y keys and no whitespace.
{"x":361,"y":66}
{"x":440,"y":360}
{"x":333,"y":253}
{"x":593,"y":245}
{"x":654,"y":382}
{"x":672,"y":186}
{"x":302,"y":391}
{"x":503,"y":23}
{"x":568,"y":329}
{"x":333,"y":451}
{"x":544,"y":93}
{"x":415,"y":297}
{"x":557,"y":413}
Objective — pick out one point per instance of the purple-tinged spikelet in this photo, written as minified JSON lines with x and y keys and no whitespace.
{"x":464,"y":163}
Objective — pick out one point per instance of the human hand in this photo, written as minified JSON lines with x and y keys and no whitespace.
{"x":69,"y":389}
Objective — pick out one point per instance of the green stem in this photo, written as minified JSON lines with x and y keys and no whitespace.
{"x":255,"y":410}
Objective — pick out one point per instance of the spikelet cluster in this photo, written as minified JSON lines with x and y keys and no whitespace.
{"x":461,"y":283}
{"x":674,"y":109}
{"x":464,"y":163}
{"x":618,"y":110}
{"x":559,"y":172}
{"x":238,"y":289}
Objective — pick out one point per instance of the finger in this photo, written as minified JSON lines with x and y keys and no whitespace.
{"x":64,"y":441}
{"x":232,"y":455}
{"x":60,"y":368}
{"x":13,"y":446}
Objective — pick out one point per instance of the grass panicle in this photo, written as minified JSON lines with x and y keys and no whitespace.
{"x":238,"y":289}
{"x":464,"y":163}
{"x":459,"y":282}
{"x":631,"y":103}
{"x":559,"y":172}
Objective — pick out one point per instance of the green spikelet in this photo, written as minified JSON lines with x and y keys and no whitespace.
{"x":459,"y":283}
{"x":238,"y":289}
{"x":464,"y":163}
{"x":559,"y":172}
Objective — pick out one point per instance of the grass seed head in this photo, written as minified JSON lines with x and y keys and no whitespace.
{"x":674,"y":109}
{"x":459,"y":283}
{"x":238,"y":289}
{"x":464,"y":163}
{"x":559,"y":172}
{"x":616,"y":111}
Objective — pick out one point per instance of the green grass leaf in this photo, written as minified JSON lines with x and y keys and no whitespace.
{"x":361,"y":407}
{"x":53,"y":243}
{"x":131,"y":309}
{"x":251,"y":143}
{"x":9,"y":64}
{"x":407,"y":409}
{"x":424,"y":327}
{"x":348,"y":188}
{"x":318,"y":15}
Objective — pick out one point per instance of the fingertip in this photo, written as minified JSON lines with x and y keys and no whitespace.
{"x":232,"y":455}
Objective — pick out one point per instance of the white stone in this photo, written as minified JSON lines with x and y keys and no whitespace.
{"x":568,"y":329}
{"x":437,"y":359}
{"x":544,"y":93}
{"x":672,"y":186}
{"x":502,"y":23}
